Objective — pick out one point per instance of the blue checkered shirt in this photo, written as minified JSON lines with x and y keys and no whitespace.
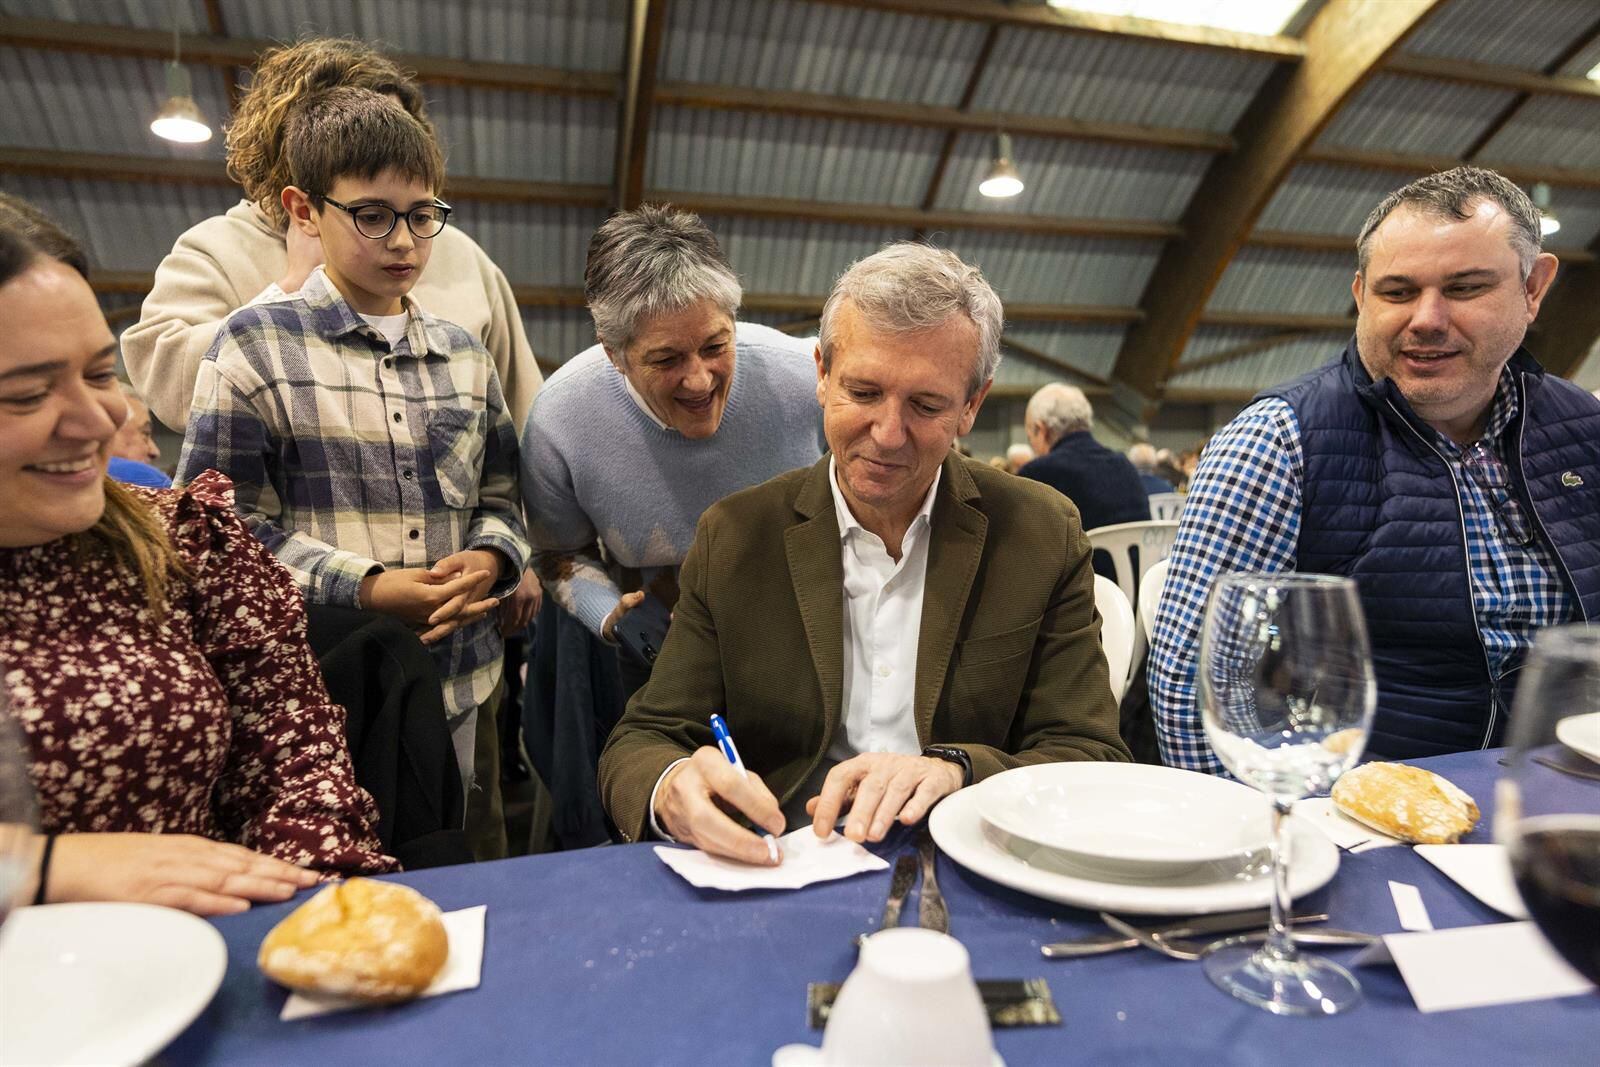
{"x":348,"y":456}
{"x":1243,"y":514}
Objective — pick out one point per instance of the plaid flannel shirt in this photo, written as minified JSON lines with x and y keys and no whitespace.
{"x":1243,"y":514}
{"x":349,"y":457}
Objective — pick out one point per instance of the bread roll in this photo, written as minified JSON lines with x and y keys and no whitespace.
{"x":370,"y":940}
{"x":1406,"y":802}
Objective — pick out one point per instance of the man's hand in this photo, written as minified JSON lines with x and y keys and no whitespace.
{"x":878,"y":788}
{"x":690,"y":802}
{"x":629,"y":601}
{"x":519,"y":609}
{"x":304,"y":254}
{"x":438,"y":603}
{"x":194,"y":874}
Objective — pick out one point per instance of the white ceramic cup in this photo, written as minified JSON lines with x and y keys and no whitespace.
{"x":910,"y":1002}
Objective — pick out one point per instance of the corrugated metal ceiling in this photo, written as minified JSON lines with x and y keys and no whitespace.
{"x":1516,"y":33}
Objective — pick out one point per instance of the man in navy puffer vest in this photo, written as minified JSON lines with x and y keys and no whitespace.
{"x":1433,"y":461}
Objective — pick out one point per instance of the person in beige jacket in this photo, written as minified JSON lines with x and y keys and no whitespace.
{"x":245,"y":256}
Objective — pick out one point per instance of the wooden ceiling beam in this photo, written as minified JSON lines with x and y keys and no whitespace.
{"x":895,"y":113}
{"x":219,"y":51}
{"x":1495,"y":77}
{"x":1041,"y":17}
{"x":1346,"y":42}
{"x":1417,"y":165}
{"x":930,"y":196}
{"x":1509,"y":112}
{"x":647,"y":21}
{"x":1346,"y":243}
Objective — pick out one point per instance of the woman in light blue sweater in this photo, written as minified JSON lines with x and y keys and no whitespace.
{"x":676,"y":407}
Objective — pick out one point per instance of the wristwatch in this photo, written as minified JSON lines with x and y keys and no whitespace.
{"x":951,"y":754}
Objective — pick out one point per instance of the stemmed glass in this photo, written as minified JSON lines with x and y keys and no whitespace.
{"x":18,"y":811}
{"x":1548,"y":821}
{"x":1286,"y":695}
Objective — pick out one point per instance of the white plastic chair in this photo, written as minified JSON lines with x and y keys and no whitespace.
{"x":1151,"y":540}
{"x":1116,"y":633}
{"x":1166,"y":505}
{"x":1150,"y":597}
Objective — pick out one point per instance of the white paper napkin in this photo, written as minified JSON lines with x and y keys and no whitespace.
{"x":1339,"y":828}
{"x":1476,"y":966}
{"x":805,"y":860}
{"x":463,"y":968}
{"x":1482,"y":870}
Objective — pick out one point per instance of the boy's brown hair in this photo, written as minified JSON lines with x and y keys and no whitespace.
{"x":350,"y":132}
{"x":287,"y":76}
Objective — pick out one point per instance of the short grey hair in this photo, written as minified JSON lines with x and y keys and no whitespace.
{"x":907,"y":287}
{"x":651,"y":260}
{"x":1059,"y":409}
{"x":1142,"y":455}
{"x":1455,"y":194}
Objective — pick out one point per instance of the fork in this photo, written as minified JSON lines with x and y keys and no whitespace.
{"x":1180,"y":949}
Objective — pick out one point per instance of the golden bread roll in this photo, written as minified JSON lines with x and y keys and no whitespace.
{"x":1406,"y":802}
{"x":371,"y":940}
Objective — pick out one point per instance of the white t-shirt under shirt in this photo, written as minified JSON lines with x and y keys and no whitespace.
{"x":392,"y":327}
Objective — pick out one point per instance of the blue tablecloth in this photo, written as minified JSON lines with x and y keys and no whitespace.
{"x":607,"y":957}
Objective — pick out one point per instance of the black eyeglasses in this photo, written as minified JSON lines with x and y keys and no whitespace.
{"x":377,"y":221}
{"x":1491,"y":478}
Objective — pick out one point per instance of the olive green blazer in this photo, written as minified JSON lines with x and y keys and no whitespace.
{"x":1009,"y":664}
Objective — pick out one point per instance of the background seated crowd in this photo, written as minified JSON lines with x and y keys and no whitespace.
{"x":881,"y":620}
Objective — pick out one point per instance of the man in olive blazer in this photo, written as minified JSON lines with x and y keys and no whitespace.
{"x":995,"y":663}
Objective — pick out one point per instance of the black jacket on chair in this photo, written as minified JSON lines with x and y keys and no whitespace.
{"x":384,"y":676}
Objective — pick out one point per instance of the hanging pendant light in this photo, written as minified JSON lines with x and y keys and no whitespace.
{"x":1548,"y":223}
{"x":1002,"y":179}
{"x":179,"y":118}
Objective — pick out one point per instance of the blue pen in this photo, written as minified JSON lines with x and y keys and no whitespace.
{"x":719,"y":731}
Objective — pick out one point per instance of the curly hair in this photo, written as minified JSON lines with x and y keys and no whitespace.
{"x":286,"y":75}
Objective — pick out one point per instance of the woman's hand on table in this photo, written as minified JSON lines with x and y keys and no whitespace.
{"x":879,"y":788}
{"x":193,"y":874}
{"x":690,"y":805}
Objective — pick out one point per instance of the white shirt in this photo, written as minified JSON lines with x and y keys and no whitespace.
{"x":391,"y":327}
{"x":882,"y":624}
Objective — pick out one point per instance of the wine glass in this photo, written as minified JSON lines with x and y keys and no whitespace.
{"x":18,"y":810}
{"x":1286,"y":695}
{"x":1548,"y":821}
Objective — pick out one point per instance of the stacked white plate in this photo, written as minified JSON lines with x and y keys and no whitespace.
{"x":1126,"y":837}
{"x":1581,"y":733}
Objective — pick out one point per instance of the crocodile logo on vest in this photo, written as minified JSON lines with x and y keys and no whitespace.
{"x":1571,"y":479}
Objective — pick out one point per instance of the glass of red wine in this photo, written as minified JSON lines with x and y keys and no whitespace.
{"x":1550,"y":821}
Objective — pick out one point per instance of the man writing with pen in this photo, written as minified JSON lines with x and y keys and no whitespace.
{"x":881,"y":628}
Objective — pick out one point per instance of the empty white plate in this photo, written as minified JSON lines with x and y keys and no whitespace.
{"x":102,"y":983}
{"x":1128,"y":818}
{"x":1581,"y":733}
{"x":1041,"y":872}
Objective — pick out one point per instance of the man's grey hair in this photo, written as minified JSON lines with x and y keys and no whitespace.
{"x":1059,"y":408}
{"x":1142,"y":455}
{"x":651,"y":260}
{"x":907,"y":287}
{"x":1456,"y":194}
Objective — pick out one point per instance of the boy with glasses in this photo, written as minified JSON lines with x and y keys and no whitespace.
{"x":368,"y":442}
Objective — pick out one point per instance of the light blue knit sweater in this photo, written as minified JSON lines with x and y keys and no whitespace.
{"x":597,"y":470}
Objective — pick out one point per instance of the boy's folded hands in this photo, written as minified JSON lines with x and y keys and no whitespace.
{"x":440,"y":599}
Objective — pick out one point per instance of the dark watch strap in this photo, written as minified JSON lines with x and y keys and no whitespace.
{"x":951,"y":754}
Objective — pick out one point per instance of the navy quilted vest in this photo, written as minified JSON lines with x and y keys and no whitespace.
{"x":1380,"y":505}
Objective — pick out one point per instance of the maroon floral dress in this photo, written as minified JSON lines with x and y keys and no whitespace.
{"x":213,"y":720}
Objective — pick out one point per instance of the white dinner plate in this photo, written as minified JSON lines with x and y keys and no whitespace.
{"x":1581,"y":733}
{"x":102,"y":983}
{"x":1042,"y":872}
{"x":1129,"y":818}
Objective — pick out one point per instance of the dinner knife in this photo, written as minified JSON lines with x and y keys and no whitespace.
{"x":932,"y":912}
{"x":900,"y":883}
{"x":1221,"y":923}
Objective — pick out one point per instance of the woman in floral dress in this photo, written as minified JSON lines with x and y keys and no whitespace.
{"x":183,"y":745}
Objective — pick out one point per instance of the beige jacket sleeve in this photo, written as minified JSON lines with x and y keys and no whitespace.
{"x":213,"y":270}
{"x":507,"y":343}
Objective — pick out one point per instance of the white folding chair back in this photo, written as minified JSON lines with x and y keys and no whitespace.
{"x":1135,"y":547}
{"x":1150,"y":597}
{"x":1116,"y":632}
{"x":1166,"y":505}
